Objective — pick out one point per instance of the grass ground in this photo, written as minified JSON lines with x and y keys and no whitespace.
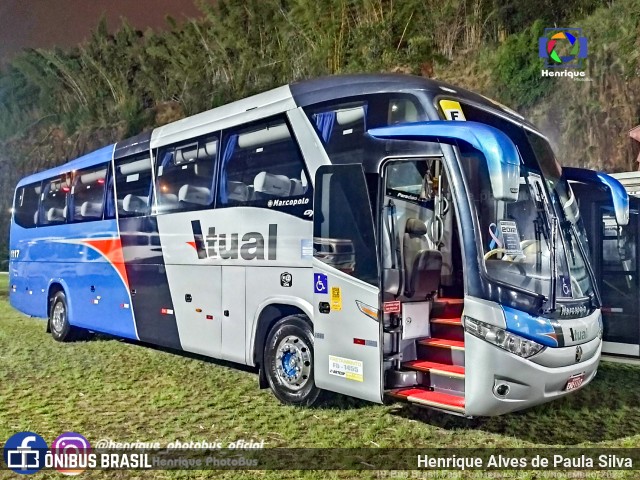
{"x":116,"y":390}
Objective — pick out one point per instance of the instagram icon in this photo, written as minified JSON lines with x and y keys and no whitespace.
{"x":70,"y":452}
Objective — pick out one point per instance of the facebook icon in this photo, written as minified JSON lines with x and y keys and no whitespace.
{"x":25,"y":452}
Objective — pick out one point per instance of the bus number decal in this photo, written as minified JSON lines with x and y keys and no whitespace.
{"x":346,"y":368}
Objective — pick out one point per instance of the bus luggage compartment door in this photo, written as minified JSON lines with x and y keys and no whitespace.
{"x":347,"y":345}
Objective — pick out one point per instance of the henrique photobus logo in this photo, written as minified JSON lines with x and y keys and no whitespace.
{"x":564,"y":51}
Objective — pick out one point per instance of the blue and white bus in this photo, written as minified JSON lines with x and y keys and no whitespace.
{"x":380,"y":236}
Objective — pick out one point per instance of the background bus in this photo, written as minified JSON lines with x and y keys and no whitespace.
{"x":614,"y":249}
{"x":376,"y":235}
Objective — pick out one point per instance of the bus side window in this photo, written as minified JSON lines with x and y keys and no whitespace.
{"x":110,"y":201}
{"x":26,"y":205}
{"x":87,"y":197}
{"x":184,"y":175}
{"x":133,"y":185}
{"x":53,"y":208}
{"x":342,"y":130}
{"x":260,"y":165}
{"x":342,"y":126}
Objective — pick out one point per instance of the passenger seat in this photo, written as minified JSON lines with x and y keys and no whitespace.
{"x":56,"y":215}
{"x":270,"y":184}
{"x":91,"y":210}
{"x":135,"y":204}
{"x":237,"y":191}
{"x":192,"y":194}
{"x":297,"y":188}
{"x":422,"y":265}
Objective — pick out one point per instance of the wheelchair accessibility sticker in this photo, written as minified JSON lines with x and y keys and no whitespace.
{"x":320,"y":283}
{"x":565,"y":283}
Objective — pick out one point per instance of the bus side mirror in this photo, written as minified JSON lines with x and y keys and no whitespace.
{"x":619,"y":195}
{"x":503,"y":160}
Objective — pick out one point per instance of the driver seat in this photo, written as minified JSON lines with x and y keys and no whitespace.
{"x":422,"y":265}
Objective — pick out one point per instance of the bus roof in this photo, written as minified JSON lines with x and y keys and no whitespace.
{"x":317,"y":90}
{"x":271,"y":102}
{"x":333,"y":87}
{"x":86,"y":161}
{"x":322,"y":89}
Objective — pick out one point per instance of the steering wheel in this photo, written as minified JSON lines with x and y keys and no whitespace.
{"x":524,"y":244}
{"x":493,"y":252}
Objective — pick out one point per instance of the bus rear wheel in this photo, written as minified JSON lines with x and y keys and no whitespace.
{"x":288,"y":361}
{"x":61,"y":329}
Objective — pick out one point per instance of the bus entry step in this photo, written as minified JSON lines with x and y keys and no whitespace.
{"x":430,"y":398}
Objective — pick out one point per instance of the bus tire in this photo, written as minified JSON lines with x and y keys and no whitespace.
{"x":61,"y":329}
{"x":288,"y":361}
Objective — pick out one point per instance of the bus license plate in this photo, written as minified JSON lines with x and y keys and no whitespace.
{"x":575,"y":382}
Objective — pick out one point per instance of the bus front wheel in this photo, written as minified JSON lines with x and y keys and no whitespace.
{"x":288,"y":361}
{"x":61,"y":329}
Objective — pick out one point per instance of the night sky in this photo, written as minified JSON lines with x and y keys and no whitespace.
{"x":47,"y":23}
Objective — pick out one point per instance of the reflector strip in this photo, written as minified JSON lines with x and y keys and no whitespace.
{"x":166,"y":311}
{"x":612,"y":310}
{"x":124,"y":305}
{"x":209,"y":317}
{"x":359,"y":341}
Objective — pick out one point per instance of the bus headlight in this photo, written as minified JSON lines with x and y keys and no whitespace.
{"x":600,"y":327}
{"x":501,"y":338}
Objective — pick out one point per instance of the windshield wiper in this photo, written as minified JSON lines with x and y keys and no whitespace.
{"x":587,"y":264}
{"x":553,"y":226}
{"x":554,"y":264}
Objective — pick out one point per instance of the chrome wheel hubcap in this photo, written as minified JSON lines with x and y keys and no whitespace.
{"x":293,"y":362}
{"x":58,"y":317}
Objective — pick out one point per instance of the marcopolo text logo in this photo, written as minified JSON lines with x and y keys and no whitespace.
{"x":25,"y":452}
{"x":289,"y":202}
{"x":564,"y":51}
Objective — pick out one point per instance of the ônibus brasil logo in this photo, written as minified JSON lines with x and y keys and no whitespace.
{"x":25,"y":452}
{"x":564,"y":51}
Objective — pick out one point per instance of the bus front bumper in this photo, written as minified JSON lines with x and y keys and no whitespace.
{"x":498,"y":382}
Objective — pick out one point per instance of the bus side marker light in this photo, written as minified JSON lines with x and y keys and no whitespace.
{"x":166,"y":311}
{"x":209,"y":317}
{"x":198,"y":310}
{"x":368,"y":310}
{"x":124,"y":305}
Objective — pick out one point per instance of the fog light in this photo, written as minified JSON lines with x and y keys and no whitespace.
{"x":502,"y":390}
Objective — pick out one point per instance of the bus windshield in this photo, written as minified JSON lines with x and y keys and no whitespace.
{"x":517,"y":236}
